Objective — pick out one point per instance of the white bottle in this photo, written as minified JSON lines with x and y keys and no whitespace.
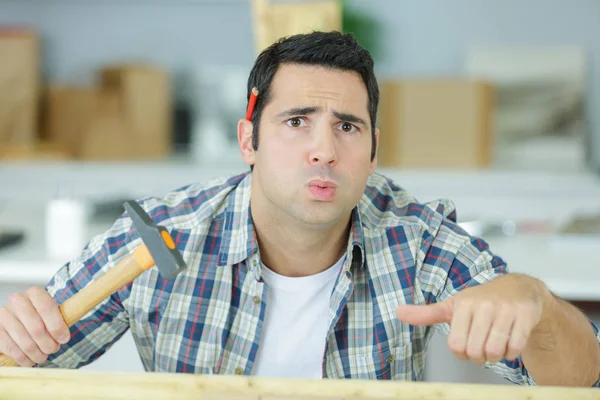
{"x":65,"y":228}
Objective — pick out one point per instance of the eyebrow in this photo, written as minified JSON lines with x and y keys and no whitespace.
{"x":312,"y":110}
{"x":349,"y":118}
{"x":298,"y":111}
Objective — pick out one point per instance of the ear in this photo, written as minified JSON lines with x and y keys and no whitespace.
{"x":244,"y":131}
{"x":373,"y":164}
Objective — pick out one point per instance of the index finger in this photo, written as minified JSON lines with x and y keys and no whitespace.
{"x":48,"y":310}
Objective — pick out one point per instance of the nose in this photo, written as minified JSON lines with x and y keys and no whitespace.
{"x":323,"y":151}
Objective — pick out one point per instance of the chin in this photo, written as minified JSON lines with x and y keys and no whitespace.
{"x":318,"y":218}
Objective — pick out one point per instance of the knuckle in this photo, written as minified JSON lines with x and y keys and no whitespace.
{"x":38,"y":330}
{"x":526,"y":307}
{"x":17,"y":354}
{"x":45,"y":305}
{"x":58,"y":331}
{"x":29,"y":347}
{"x":514,"y":349}
{"x":473,"y":353}
{"x":494,"y":354}
{"x":23,"y":360}
{"x":505,"y":310}
{"x":49,"y":346}
{"x":15,"y":300}
{"x":465,"y":303}
{"x":32,"y":291}
{"x":39,"y":358}
{"x":456,"y":346}
{"x":42,"y":300}
{"x":461,"y":356}
{"x":11,"y":350}
{"x":486,"y":306}
{"x":4,"y":316}
{"x":518,"y":341}
{"x":55,"y":347}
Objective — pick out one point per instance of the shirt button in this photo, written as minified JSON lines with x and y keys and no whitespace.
{"x":239,"y":371}
{"x":390,"y":358}
{"x":255,"y":263}
{"x":256,"y":299}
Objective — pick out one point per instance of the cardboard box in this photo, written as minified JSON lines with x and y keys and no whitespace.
{"x":19,"y":87}
{"x":68,"y":115}
{"x":435,"y":123}
{"x":274,"y":21}
{"x":146,"y":101}
{"x":126,"y":116}
{"x":107,"y":136}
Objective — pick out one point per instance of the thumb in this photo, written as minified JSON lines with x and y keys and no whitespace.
{"x":423,"y":315}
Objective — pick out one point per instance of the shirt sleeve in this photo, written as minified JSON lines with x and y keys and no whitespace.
{"x":99,"y":329}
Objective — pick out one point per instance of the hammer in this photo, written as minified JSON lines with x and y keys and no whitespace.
{"x":158,"y":248}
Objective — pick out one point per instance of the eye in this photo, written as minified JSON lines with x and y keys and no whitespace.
{"x":347,"y":127}
{"x":296,"y":122}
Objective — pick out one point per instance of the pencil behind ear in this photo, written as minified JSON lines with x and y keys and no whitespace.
{"x":251,"y":103}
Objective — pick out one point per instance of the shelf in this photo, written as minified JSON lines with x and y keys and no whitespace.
{"x":476,"y":193}
{"x":41,"y":177}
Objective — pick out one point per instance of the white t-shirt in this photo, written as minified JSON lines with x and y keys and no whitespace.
{"x":296,"y":322}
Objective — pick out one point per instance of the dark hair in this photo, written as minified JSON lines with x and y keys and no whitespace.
{"x":328,"y":49}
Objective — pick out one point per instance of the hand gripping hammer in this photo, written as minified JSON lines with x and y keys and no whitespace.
{"x":157,"y":248}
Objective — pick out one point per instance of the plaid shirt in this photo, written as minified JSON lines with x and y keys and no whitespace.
{"x":208,"y":319}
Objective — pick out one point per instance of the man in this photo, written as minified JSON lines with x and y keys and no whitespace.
{"x":312,"y":265}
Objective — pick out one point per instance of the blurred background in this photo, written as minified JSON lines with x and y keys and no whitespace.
{"x":493,"y":104}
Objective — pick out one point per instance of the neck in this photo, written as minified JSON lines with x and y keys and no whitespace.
{"x":294,"y":250}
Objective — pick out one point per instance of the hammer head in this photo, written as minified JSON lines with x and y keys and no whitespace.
{"x":166,"y":257}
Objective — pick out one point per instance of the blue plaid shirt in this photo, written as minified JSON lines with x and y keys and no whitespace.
{"x":208,"y":319}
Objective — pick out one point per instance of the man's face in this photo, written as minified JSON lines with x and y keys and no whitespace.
{"x":314,"y":146}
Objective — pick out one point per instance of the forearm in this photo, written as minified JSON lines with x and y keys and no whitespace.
{"x":562,"y":349}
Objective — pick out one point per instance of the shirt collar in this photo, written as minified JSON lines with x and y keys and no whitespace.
{"x":239,"y":237}
{"x":356,"y":239}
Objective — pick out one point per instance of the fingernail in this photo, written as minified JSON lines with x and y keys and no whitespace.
{"x":63,"y":339}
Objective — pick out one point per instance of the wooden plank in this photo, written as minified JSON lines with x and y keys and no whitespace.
{"x":55,"y":384}
{"x":223,"y":395}
{"x":286,"y":397}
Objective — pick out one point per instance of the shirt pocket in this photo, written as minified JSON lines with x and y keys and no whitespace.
{"x":397,"y":365}
{"x":393,"y":363}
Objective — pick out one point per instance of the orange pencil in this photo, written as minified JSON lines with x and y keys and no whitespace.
{"x":251,"y":103}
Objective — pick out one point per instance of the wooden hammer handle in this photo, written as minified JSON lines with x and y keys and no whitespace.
{"x":78,"y":305}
